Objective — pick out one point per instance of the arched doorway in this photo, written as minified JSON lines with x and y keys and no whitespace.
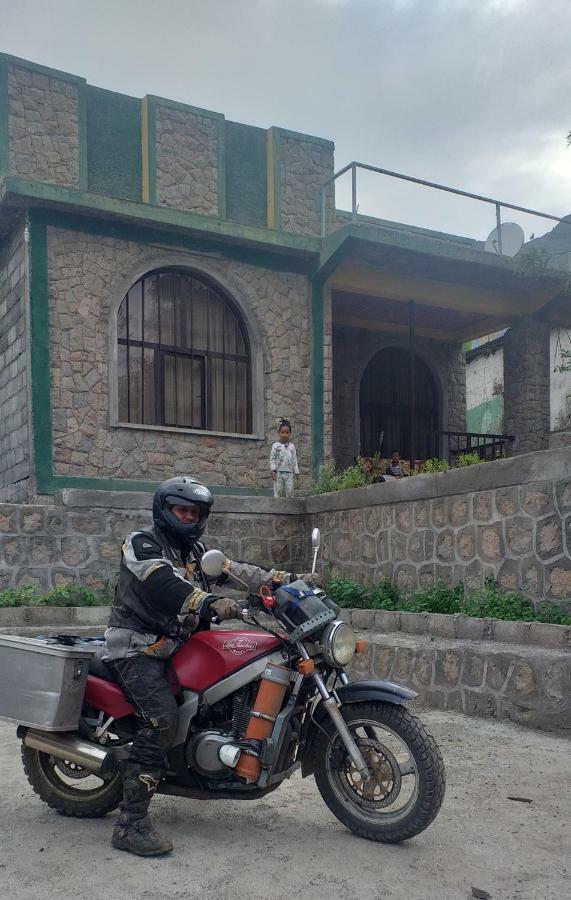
{"x":384,"y":401}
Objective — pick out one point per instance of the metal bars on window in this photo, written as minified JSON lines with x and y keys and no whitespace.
{"x":183,"y":356}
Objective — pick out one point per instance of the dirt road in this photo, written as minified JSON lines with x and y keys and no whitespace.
{"x":290,"y":845}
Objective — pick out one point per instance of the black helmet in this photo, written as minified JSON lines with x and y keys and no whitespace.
{"x":181,"y":491}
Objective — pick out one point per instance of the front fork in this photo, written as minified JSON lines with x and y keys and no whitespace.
{"x":331,"y":704}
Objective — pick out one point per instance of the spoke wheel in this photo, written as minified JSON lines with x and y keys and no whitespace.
{"x":405,"y":789}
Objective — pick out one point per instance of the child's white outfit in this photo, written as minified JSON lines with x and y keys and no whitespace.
{"x":283,"y":461}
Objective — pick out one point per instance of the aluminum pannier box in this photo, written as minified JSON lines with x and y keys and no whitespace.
{"x":42,"y":684}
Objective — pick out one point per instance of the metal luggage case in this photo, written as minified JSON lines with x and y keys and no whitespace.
{"x":41,"y":684}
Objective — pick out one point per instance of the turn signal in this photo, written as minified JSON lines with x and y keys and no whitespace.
{"x":361,"y":646}
{"x":305,"y":666}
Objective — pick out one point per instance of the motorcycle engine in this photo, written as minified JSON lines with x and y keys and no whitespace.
{"x":202,"y":752}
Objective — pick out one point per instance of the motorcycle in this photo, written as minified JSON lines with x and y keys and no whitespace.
{"x":255,"y":706}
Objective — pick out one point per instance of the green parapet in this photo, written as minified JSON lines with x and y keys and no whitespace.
{"x":149,"y":151}
{"x":273,"y":157}
{"x":4,"y":131}
{"x":61,"y":482}
{"x":246,"y":174}
{"x":317,"y":445}
{"x":40,"y":355}
{"x":179,"y":227}
{"x":113,"y":144}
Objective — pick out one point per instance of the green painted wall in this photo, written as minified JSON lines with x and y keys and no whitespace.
{"x":486,"y":418}
{"x":113,"y":144}
{"x":246,"y":178}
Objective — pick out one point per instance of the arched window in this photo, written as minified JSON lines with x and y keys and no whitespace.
{"x":183,"y":355}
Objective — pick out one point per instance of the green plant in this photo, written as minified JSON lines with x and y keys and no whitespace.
{"x":468,"y":459}
{"x":68,"y":595}
{"x":329,"y":480}
{"x":435,"y":465}
{"x":489,"y":602}
{"x":26,"y":596}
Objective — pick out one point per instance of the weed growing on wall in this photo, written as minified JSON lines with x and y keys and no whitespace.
{"x":488,"y":603}
{"x":70,"y":595}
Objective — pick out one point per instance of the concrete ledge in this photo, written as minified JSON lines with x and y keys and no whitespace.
{"x":525,"y":469}
{"x":134,"y":501}
{"x":34,"y":617}
{"x":527,"y":685}
{"x":381,"y":621}
{"x":459,"y":627}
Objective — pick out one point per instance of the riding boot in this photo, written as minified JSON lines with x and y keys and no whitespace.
{"x":134,"y":830}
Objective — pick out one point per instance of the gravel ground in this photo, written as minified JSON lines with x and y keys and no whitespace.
{"x":289,"y":843}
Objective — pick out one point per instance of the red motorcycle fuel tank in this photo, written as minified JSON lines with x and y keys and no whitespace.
{"x":210,"y":656}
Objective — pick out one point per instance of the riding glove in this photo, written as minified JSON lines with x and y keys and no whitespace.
{"x":224,"y":608}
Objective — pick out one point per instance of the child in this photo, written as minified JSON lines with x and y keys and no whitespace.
{"x":283,"y":461}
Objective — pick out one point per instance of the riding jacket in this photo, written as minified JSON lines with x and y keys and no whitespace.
{"x":159,"y":597}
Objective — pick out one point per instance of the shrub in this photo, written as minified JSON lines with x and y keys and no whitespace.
{"x":68,"y":595}
{"x":468,"y":459}
{"x":439,"y":598}
{"x":329,"y":480}
{"x":435,"y":465}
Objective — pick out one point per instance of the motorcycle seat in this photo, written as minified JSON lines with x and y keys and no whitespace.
{"x":99,"y":668}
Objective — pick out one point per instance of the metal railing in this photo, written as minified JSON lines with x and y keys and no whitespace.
{"x":487,"y":446}
{"x":353,"y":166}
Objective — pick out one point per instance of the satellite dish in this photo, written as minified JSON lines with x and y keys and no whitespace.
{"x":511,"y":235}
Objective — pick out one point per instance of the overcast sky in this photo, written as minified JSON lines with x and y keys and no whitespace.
{"x":475,"y":94}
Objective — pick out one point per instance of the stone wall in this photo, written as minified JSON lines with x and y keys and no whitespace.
{"x":187,"y":159}
{"x":526,"y":384}
{"x":88,"y":276}
{"x":77,"y":538}
{"x":494,"y":669}
{"x":353,"y":349}
{"x":43,"y":122}
{"x":510,"y":520}
{"x":14,"y":438}
{"x":305,"y":164}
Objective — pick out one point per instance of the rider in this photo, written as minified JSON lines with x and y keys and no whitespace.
{"x":161,"y":597}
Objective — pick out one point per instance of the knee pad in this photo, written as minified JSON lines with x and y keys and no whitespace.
{"x":161,"y":730}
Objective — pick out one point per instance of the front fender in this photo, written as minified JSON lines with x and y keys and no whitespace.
{"x":354,"y":692}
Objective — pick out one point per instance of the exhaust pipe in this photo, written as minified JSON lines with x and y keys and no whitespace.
{"x":67,"y":746}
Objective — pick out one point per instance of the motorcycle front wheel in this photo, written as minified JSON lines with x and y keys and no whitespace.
{"x":406,"y":790}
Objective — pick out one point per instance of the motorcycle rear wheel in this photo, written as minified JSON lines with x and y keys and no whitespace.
{"x":71,"y":789}
{"x":408,"y":789}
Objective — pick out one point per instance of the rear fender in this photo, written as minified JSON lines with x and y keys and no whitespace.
{"x":354,"y":692}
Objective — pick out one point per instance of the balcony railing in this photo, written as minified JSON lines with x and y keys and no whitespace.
{"x":354,"y":166}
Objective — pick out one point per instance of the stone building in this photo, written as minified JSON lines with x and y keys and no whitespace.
{"x":172,"y":282}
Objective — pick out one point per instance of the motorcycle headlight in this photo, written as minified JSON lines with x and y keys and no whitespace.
{"x":338,"y":644}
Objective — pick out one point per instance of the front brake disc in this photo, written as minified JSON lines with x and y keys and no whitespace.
{"x":383,"y":787}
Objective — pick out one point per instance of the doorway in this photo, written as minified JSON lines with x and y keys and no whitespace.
{"x":384,"y":401}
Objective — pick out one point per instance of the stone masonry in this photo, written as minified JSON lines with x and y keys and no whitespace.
{"x":526,"y":384}
{"x":492,"y":520}
{"x":497,"y":519}
{"x":88,"y":276}
{"x":508,"y":674}
{"x":305,"y":165}
{"x":43,"y":127}
{"x":353,"y":348}
{"x":14,"y":439}
{"x":78,"y":539}
{"x":187,"y":160}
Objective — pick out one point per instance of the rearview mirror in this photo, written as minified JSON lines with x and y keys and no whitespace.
{"x":212,"y":563}
{"x":316,"y":539}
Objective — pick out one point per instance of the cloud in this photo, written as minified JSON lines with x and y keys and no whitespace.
{"x":472,"y":94}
